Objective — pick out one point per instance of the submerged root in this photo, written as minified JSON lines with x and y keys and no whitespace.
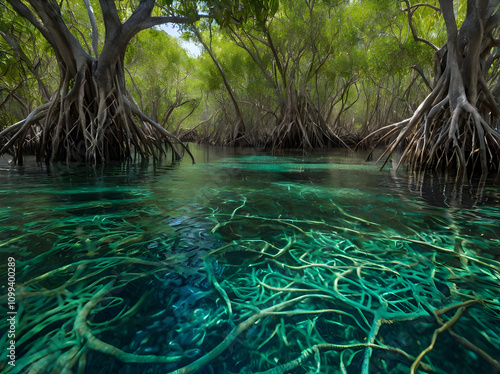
{"x":89,"y":340}
{"x":315,"y":350}
{"x":342,"y":276}
{"x":311,"y":296}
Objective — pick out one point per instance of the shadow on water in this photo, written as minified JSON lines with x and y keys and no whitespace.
{"x":247,"y":261}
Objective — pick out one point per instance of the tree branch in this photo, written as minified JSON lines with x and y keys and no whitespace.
{"x":421,"y":5}
{"x":60,"y":38}
{"x":420,"y":71}
{"x":95,"y":30}
{"x":155,"y":21}
{"x":31,"y":66}
{"x":411,"y":10}
{"x":25,"y":12}
{"x":141,"y":14}
{"x":110,"y":16}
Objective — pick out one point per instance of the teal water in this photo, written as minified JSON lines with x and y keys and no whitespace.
{"x":248,"y":263}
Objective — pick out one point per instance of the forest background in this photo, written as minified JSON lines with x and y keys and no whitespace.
{"x":289,"y":74}
{"x":355,"y":63}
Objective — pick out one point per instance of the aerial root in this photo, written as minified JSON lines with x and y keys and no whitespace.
{"x":301,"y":125}
{"x":88,"y":125}
{"x":20,"y":129}
{"x":440,"y":134}
{"x":166,"y":134}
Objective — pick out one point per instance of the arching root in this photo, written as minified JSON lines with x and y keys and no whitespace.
{"x":446,"y":131}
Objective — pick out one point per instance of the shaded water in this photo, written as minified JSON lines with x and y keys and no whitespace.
{"x":245,"y":262}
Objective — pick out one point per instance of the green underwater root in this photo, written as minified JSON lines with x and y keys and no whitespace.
{"x":352,"y":292}
{"x":310,"y":297}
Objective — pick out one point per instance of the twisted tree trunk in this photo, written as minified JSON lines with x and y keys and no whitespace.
{"x":457,"y":125}
{"x":92,"y":117}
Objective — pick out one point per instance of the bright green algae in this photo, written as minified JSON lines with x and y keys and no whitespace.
{"x":250,"y":264}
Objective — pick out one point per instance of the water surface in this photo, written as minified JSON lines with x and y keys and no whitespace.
{"x":248,"y":262}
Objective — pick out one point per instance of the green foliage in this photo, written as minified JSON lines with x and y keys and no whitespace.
{"x":228,"y":12}
{"x":323,"y":47}
{"x":22,"y":52}
{"x":159,"y":68}
{"x":223,"y":12}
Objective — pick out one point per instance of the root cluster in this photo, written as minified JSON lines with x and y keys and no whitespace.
{"x":86,"y":123}
{"x":301,"y":125}
{"x":312,"y":295}
{"x":449,"y":130}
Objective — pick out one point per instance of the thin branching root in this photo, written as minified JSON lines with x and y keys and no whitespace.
{"x":348,"y":305}
{"x":441,"y":135}
{"x":301,"y":125}
{"x":87,"y":122}
{"x":457,"y":125}
{"x":307,"y":297}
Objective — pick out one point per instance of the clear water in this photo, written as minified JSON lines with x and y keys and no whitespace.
{"x":246,"y":262}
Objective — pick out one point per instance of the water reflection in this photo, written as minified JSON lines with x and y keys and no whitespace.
{"x":246,"y":261}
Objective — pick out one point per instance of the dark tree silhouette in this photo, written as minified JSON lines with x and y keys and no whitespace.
{"x":456,"y":126}
{"x":92,"y":117}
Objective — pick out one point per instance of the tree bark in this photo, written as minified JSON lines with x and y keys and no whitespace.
{"x":457,"y":124}
{"x":92,"y":118}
